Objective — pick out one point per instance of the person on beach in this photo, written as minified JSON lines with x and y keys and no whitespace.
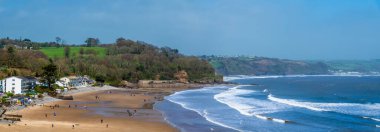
{"x":73,"y":126}
{"x":55,"y":114}
{"x":101,"y":120}
{"x":52,"y":125}
{"x":45,"y":115}
{"x":107,"y":126}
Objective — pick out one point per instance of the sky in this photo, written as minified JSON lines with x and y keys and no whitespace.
{"x":291,"y":29}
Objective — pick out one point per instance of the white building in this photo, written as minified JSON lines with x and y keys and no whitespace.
{"x":17,"y":85}
{"x":75,"y":81}
{"x":63,"y":82}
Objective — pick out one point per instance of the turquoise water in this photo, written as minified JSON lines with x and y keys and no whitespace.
{"x":276,"y":103}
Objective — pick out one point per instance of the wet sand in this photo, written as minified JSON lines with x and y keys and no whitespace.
{"x":112,"y":108}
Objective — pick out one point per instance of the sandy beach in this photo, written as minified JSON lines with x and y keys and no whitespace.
{"x":116,"y":110}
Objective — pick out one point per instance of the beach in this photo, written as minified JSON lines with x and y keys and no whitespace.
{"x":114,"y":109}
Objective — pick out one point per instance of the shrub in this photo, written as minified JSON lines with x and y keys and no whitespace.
{"x":40,"y":96}
{"x":9,"y":94}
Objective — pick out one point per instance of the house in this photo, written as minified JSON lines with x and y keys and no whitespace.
{"x":17,"y":84}
{"x":63,"y":82}
{"x":75,"y":81}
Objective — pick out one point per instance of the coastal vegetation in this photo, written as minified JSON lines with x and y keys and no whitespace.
{"x":124,"y":60}
{"x":264,"y":66}
{"x":243,"y":65}
{"x":363,"y":66}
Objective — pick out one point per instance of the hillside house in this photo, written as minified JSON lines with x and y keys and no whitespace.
{"x":17,"y":84}
{"x":63,"y":82}
{"x":75,"y":81}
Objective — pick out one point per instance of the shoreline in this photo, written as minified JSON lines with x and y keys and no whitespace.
{"x":146,"y":113}
{"x":213,"y":124}
{"x":145,"y":116}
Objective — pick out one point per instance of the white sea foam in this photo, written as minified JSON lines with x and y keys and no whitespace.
{"x":179,"y":95}
{"x":375,"y":119}
{"x":293,"y":103}
{"x":236,"y":102}
{"x":345,"y":108}
{"x":371,"y":118}
{"x":204,"y":114}
{"x":249,"y":106}
{"x":279,"y":120}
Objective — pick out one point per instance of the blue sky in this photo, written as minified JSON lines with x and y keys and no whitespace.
{"x":293,"y":29}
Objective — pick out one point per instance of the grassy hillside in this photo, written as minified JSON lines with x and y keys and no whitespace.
{"x":52,"y":52}
{"x":264,"y":66}
{"x":355,"y":65}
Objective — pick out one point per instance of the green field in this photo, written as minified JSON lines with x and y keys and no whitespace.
{"x":52,"y":52}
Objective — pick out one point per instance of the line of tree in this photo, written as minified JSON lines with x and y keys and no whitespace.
{"x":125,"y":60}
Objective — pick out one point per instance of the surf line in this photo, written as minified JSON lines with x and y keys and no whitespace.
{"x":273,"y":119}
{"x":374,"y":119}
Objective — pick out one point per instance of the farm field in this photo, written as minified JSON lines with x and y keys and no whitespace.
{"x":59,"y":52}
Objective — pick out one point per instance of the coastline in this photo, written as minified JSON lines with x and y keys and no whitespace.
{"x":143,"y":100}
{"x":89,"y":111}
{"x":191,"y":119}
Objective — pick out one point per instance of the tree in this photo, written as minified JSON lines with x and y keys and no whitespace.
{"x":92,"y":42}
{"x":67,"y":52}
{"x":11,"y":56}
{"x":81,"y":51}
{"x":58,"y":40}
{"x":50,"y":75}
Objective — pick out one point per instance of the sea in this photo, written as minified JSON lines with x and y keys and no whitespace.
{"x":298,"y":103}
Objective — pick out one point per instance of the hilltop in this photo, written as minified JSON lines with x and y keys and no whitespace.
{"x":124,"y":60}
{"x":264,"y":66}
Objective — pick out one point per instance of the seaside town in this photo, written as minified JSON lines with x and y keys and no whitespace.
{"x":21,"y":94}
{"x":189,"y":66}
{"x":18,"y":92}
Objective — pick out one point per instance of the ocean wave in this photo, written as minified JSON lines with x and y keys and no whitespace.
{"x":371,"y":118}
{"x":249,"y":106}
{"x":238,"y":77}
{"x":204,"y":114}
{"x":230,"y":98}
{"x":344,"y":108}
{"x":198,"y":90}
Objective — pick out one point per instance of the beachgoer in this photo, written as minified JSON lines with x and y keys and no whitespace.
{"x":107,"y":125}
{"x":52,"y":125}
{"x":45,"y":115}
{"x":73,"y":126}
{"x":101,"y":120}
{"x":55,"y":114}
